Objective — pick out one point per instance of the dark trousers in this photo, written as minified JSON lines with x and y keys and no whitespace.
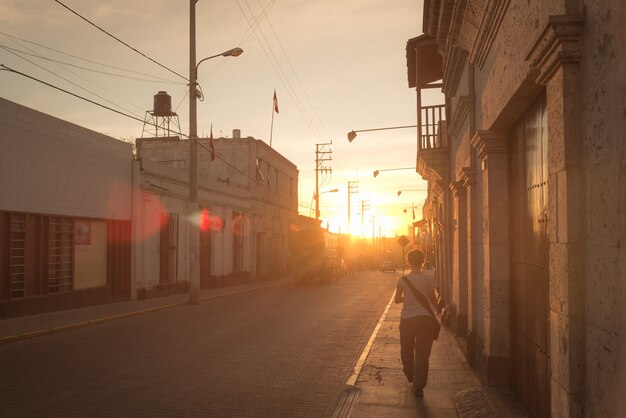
{"x":416,"y":341}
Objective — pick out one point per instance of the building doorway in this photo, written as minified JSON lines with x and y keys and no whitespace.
{"x":530,"y":342}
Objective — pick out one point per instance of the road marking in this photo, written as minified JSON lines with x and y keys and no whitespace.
{"x":366,"y":351}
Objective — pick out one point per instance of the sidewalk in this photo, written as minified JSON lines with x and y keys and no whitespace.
{"x":15,"y":329}
{"x":453,"y":389}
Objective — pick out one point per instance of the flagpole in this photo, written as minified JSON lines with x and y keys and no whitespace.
{"x":272,"y":127}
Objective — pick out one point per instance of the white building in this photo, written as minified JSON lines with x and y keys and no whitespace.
{"x":248,"y":196}
{"x":65,"y":214}
{"x":82,"y":222}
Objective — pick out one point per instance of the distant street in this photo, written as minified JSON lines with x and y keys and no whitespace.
{"x":284,"y":351}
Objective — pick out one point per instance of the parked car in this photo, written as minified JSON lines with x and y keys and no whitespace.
{"x":388,"y":266}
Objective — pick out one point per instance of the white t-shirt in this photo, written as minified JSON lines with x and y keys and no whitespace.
{"x":425,"y":283}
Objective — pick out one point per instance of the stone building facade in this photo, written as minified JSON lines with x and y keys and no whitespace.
{"x":526,"y":161}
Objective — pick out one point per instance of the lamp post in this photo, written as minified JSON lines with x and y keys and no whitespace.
{"x":194,"y":232}
{"x":377,"y":172}
{"x":317,"y":201}
{"x":414,"y":190}
{"x":352,"y":134}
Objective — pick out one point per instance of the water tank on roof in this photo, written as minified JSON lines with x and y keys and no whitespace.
{"x":162,"y":104}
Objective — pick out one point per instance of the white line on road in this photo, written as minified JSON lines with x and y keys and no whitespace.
{"x":366,"y":351}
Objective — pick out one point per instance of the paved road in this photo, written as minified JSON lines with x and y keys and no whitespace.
{"x":284,"y":351}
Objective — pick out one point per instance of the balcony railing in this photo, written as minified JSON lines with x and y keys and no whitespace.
{"x":429,"y":123}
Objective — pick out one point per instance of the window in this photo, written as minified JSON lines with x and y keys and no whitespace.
{"x":238,"y":227}
{"x":259,"y":173}
{"x":39,"y":255}
{"x":269,"y":177}
{"x":60,"y":254}
{"x":17,"y":256}
{"x":168,"y":251}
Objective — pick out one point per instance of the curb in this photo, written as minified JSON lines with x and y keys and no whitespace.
{"x":54,"y":330}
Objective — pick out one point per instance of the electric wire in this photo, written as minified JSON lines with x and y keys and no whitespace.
{"x":68,"y":81}
{"x":81,"y":67}
{"x":242,"y":40}
{"x":280,"y":67}
{"x":119,"y":40}
{"x":5,"y":68}
{"x":225,"y":162}
{"x":278,"y":73}
{"x":90,"y":61}
{"x":295,"y":73}
{"x":293,"y":69}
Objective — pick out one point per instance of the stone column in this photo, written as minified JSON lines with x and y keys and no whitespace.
{"x":555,"y":56}
{"x":443,"y":253}
{"x":459,"y":252}
{"x":468,"y":179}
{"x":491,"y":148}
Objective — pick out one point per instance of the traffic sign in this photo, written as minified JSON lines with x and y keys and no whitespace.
{"x":403,"y":241}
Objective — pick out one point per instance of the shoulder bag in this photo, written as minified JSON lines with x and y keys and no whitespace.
{"x":424,"y":302}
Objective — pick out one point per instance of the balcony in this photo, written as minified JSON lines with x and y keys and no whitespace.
{"x":430,"y":121}
{"x":425,"y":71}
{"x":432,"y":151}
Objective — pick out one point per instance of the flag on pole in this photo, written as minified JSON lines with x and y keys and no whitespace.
{"x":211,"y":146}
{"x":275,"y":103}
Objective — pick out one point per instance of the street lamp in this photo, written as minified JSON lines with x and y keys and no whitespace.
{"x":377,"y":172}
{"x":352,"y":134}
{"x":194,"y":232}
{"x":415,"y":190}
{"x":317,"y":201}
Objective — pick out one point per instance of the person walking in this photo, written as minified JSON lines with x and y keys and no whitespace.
{"x":418,"y":324}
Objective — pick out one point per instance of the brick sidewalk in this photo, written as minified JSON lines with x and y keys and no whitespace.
{"x":453,"y":390}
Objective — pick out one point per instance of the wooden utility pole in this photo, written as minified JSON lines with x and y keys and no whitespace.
{"x":321,"y":155}
{"x":353,"y":187}
{"x":363,"y":209}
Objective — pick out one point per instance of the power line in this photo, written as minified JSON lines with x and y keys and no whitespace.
{"x":5,"y":68}
{"x":226,"y":162}
{"x":21,"y":44}
{"x":65,"y":79}
{"x":293,"y":69}
{"x":283,"y":78}
{"x":244,"y":38}
{"x":83,"y":68}
{"x":87,"y":60}
{"x":119,"y":40}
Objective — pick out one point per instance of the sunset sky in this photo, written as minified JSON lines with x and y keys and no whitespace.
{"x":335,"y":65}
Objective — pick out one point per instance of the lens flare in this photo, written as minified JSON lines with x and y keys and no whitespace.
{"x":208,"y":222}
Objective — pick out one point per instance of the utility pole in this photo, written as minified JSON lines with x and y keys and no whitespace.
{"x":373,"y":231}
{"x":363,"y":209}
{"x":353,"y":187}
{"x":194,"y":233}
{"x":321,"y":156}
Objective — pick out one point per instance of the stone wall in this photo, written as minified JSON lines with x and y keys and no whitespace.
{"x":603,"y":107}
{"x":573,"y":52}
